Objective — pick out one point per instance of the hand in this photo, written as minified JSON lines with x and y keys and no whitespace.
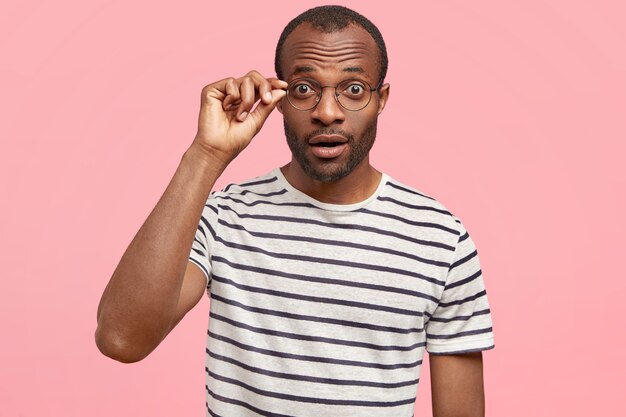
{"x":227,"y":123}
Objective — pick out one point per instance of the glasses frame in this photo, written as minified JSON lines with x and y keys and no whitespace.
{"x":335,"y":94}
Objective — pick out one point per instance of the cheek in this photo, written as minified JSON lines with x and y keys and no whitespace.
{"x":360,"y":122}
{"x":294,"y":118}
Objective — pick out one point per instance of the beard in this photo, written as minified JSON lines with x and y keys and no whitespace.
{"x":329,"y":170}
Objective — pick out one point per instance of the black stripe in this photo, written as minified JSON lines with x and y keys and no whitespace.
{"x":315,"y":299}
{"x":201,"y":230}
{"x":330,"y":242}
{"x":250,"y":183}
{"x":411,"y":222}
{"x":308,"y":278}
{"x":314,"y":338}
{"x":199,"y":252}
{"x":210,"y":230}
{"x":339,"y":226}
{"x":208,"y":225}
{"x":475,"y":313}
{"x":244,"y":192}
{"x":349,"y":264}
{"x":463,"y":238}
{"x":398,"y":187}
{"x":211,"y":412}
{"x":464,"y":280}
{"x":271,"y":203}
{"x":300,"y":398}
{"x":258,"y":182}
{"x":463,"y":300}
{"x":243,"y":404}
{"x":460,"y":334}
{"x":195,"y":239}
{"x":464,"y":259}
{"x":346,"y":323}
{"x":308,"y":358}
{"x":413,"y":206}
{"x":329,"y":381}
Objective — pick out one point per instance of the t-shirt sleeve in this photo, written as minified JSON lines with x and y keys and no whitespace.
{"x":204,"y":239}
{"x":461,"y":322}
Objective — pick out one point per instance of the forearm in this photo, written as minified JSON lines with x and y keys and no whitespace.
{"x":139,"y":303}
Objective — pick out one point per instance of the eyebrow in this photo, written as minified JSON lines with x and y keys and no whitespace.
{"x":303,"y":69}
{"x":354,"y":69}
{"x":306,"y":69}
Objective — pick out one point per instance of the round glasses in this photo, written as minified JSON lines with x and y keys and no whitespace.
{"x":305,"y":93}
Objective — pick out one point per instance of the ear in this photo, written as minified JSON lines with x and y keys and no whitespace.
{"x":383,"y":94}
{"x":279,"y":106}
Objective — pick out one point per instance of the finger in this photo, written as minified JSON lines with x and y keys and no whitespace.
{"x":265,"y":91}
{"x":263,"y":86}
{"x":262,"y":111}
{"x":247,"y":94}
{"x":277,"y":84}
{"x":232,"y":94}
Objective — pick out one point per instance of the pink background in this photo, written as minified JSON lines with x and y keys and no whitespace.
{"x":512,"y":115}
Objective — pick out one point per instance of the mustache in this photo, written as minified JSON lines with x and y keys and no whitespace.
{"x":328,"y":131}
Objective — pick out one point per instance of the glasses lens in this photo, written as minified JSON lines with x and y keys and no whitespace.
{"x":354,"y":94}
{"x":303,"y":94}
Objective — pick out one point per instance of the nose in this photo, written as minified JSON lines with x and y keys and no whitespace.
{"x":328,"y":110}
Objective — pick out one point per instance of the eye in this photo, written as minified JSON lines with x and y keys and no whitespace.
{"x":302,"y":89}
{"x":354,"y":90}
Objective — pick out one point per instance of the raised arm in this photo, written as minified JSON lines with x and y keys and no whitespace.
{"x":153,"y":285}
{"x":457,"y":385}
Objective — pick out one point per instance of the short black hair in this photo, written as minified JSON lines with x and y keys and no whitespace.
{"x":330,"y":19}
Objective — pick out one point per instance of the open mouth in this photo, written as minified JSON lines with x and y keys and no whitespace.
{"x":328,"y":149}
{"x":328,"y":144}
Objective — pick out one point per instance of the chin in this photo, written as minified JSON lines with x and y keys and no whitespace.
{"x":335,"y":169}
{"x":331,"y":174}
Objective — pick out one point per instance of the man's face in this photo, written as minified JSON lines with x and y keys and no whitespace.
{"x":329,"y":142}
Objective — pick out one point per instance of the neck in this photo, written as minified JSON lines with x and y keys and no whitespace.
{"x":357,"y":186}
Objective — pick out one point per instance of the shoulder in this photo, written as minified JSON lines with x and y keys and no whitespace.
{"x":418,"y":203}
{"x":257,"y":186}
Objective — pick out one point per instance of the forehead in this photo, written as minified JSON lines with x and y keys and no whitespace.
{"x":307,"y":51}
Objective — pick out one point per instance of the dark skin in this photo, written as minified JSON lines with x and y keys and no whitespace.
{"x":330,"y":58}
{"x":154,"y":284}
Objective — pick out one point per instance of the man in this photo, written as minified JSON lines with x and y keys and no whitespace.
{"x":328,"y":279}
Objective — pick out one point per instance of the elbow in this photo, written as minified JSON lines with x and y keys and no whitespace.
{"x":117,"y":348}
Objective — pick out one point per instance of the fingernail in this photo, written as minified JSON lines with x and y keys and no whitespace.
{"x":243,"y":116}
{"x":268,"y":96}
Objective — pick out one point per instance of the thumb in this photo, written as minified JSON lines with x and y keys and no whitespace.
{"x":262,"y":110}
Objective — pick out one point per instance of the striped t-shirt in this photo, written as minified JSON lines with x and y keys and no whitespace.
{"x":326,"y":310}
